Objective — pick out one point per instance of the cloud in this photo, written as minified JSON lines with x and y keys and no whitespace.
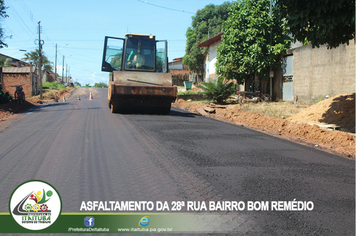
{"x":93,"y":78}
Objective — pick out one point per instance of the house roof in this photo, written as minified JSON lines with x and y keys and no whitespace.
{"x":23,"y":69}
{"x":211,"y":40}
{"x":178,"y":59}
{"x":14,"y":59}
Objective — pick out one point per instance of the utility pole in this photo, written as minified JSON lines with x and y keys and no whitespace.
{"x":66,"y":72}
{"x":63,"y":70}
{"x":40,"y":55}
{"x":55,"y":67}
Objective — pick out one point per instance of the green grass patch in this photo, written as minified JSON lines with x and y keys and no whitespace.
{"x":53,"y":85}
{"x":186,"y":93}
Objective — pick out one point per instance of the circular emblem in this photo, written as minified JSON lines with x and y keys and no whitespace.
{"x":35,"y":205}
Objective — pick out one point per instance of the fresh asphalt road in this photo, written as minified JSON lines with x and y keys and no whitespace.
{"x":87,"y":153}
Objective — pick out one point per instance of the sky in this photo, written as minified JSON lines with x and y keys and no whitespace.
{"x":78,"y":28}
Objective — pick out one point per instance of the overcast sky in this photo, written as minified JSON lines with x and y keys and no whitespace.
{"x":79,"y":27}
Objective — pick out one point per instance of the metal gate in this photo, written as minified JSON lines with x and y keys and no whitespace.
{"x":288,"y":91}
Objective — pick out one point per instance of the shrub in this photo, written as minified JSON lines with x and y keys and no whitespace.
{"x":53,"y":85}
{"x":218,"y":91}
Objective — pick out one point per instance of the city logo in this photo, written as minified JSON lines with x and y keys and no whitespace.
{"x":89,"y":221}
{"x":144,"y":221}
{"x":35,"y":205}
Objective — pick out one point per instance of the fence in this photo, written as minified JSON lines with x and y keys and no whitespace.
{"x":179,"y":79}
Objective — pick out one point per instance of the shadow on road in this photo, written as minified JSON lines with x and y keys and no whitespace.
{"x":182,"y":113}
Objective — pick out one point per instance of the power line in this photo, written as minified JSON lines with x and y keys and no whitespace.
{"x":167,"y":8}
{"x":19,"y":17}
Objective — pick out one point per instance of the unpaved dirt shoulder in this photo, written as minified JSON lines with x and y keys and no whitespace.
{"x":336,"y":142}
{"x":12,"y":112}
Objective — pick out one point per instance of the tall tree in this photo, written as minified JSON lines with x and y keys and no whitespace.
{"x":330,"y":22}
{"x":2,"y":15}
{"x":35,"y":59}
{"x":206,"y":23}
{"x":252,"y":42}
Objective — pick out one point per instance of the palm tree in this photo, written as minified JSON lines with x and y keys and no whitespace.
{"x":35,"y":59}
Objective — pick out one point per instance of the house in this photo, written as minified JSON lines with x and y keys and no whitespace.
{"x":24,"y":76}
{"x":17,"y":72}
{"x":177,"y":66}
{"x":210,"y":58}
{"x":10,"y":61}
{"x":47,"y":76}
{"x":312,"y":73}
{"x":307,"y":73}
{"x":179,"y":71}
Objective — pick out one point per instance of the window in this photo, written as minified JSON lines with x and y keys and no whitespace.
{"x":139,"y":54}
{"x":112,"y":59}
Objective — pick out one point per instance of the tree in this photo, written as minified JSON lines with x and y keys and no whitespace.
{"x":5,"y":63}
{"x":35,"y":59}
{"x":206,"y":23}
{"x":77,"y":84}
{"x":2,"y":15}
{"x":252,"y":41}
{"x":321,"y":22}
{"x":100,"y":85}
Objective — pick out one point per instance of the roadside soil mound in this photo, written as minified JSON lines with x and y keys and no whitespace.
{"x":338,"y":110}
{"x":12,"y":108}
{"x":337,"y":142}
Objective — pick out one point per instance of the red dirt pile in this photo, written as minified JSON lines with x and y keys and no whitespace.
{"x":338,"y":110}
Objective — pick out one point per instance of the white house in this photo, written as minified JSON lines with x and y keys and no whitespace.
{"x":210,"y":58}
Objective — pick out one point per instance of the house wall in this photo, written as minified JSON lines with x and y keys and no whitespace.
{"x":213,"y":52}
{"x":176,"y":65}
{"x":47,"y":77}
{"x":12,"y":79}
{"x":321,"y":71}
{"x":206,"y":68}
{"x":179,"y":72}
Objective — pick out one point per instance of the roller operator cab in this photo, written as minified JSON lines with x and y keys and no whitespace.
{"x":139,"y":80}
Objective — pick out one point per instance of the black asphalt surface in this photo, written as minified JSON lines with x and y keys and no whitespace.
{"x":87,"y":153}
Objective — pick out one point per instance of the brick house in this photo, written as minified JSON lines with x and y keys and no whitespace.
{"x":24,"y":76}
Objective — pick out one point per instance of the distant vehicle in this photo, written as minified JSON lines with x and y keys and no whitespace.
{"x":140,"y":81}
